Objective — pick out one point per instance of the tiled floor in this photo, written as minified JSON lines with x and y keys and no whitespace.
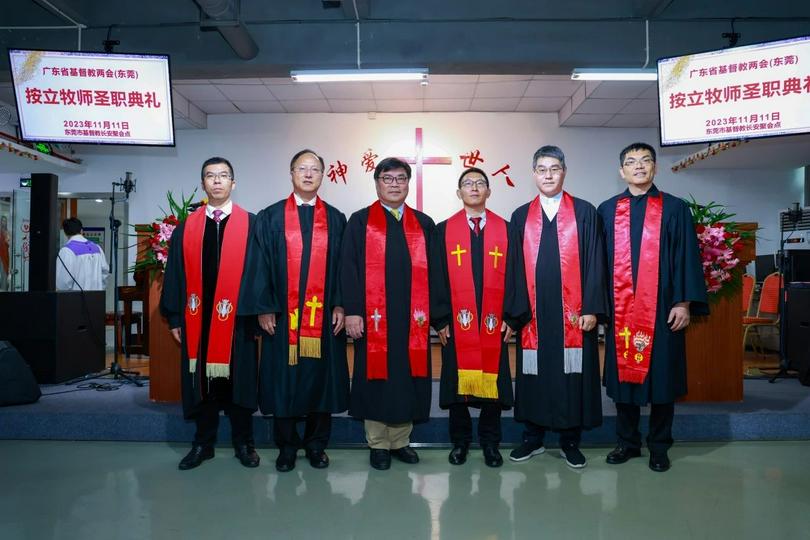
{"x":89,"y":490}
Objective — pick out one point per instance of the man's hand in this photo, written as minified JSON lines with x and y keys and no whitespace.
{"x":354,"y":326}
{"x":679,"y":316}
{"x":176,"y":334}
{"x":508,"y":332}
{"x":268,"y":322}
{"x":444,"y":334}
{"x":587,"y":322}
{"x":338,"y":319}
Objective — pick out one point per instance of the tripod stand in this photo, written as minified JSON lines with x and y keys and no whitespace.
{"x":127,"y":186}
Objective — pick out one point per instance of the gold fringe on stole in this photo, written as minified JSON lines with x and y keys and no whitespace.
{"x":474,"y":382}
{"x":489,"y":386}
{"x":292,"y":359}
{"x":469,"y":382}
{"x":310,"y":347}
{"x":192,"y":365}
{"x":218,"y":370}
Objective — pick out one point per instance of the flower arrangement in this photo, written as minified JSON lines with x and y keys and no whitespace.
{"x":155,"y":254}
{"x":720,"y":243}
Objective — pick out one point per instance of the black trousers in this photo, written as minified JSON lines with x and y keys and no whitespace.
{"x":489,"y":424}
{"x":207,"y":419}
{"x":317,"y":429}
{"x":659,"y":439}
{"x":206,"y":416}
{"x":534,"y":434}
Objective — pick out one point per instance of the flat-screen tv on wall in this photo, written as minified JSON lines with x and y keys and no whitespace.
{"x":760,"y":90}
{"x":90,"y":97}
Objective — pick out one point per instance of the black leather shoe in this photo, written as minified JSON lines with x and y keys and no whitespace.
{"x":659,"y":462}
{"x":318,"y":459}
{"x":458,"y":455}
{"x":285,"y":462}
{"x":247,"y":455}
{"x":621,"y":454}
{"x":406,"y":454}
{"x":195,"y":457}
{"x":380,"y":459}
{"x":492,"y":457}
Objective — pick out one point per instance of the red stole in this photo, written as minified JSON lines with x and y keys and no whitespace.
{"x":634,"y":319}
{"x":309,"y":326}
{"x":568,"y":241}
{"x":226,"y":297}
{"x":478,"y":343}
{"x":376,"y":310}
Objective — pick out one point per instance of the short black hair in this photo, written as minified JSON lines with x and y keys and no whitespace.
{"x":465,"y":172}
{"x":389,"y":164}
{"x":549,"y":151}
{"x":636,"y":146}
{"x":306,"y":151}
{"x":72,"y":226}
{"x":216,"y":160}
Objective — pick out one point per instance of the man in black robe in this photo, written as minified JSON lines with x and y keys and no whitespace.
{"x":681,"y":293}
{"x":309,"y":389}
{"x":389,"y":406}
{"x":473,"y":190}
{"x":204,"y":396}
{"x":555,"y":395}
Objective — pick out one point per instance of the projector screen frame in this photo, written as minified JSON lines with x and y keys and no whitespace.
{"x":661,"y":142}
{"x":167,"y":56}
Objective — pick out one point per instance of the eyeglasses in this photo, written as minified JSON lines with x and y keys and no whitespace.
{"x":645,"y":162}
{"x":221,"y":176}
{"x":469,"y":184}
{"x":303,"y":170}
{"x":388,"y":179}
{"x":555,"y":170}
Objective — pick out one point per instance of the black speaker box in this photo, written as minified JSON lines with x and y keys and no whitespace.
{"x":59,"y":334}
{"x":797,"y":328}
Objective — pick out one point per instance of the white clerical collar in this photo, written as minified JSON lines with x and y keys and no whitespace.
{"x":482,"y":215}
{"x":226,"y":208}
{"x":301,"y":202}
{"x":400,"y":209}
{"x":551,"y":204}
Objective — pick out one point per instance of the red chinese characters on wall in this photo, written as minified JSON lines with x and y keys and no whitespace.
{"x":368,"y":160}
{"x":337,"y":170}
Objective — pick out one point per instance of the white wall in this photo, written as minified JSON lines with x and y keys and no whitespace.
{"x":260,"y":147}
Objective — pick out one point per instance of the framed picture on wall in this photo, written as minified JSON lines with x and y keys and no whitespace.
{"x":95,"y":234}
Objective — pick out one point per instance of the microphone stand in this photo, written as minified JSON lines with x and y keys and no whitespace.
{"x":115,"y":368}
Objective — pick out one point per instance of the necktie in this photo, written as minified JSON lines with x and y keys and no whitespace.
{"x":395,"y":213}
{"x":218,"y":215}
{"x":476,"y":225}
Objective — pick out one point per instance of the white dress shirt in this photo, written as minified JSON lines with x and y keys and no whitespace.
{"x":483,"y":217}
{"x":301,"y":202}
{"x":226,"y":208}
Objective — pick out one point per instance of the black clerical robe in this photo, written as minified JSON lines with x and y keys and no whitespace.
{"x":314,"y":384}
{"x":173,"y":300}
{"x":400,"y":398}
{"x":680,"y":280}
{"x":552,"y":398}
{"x":441,"y":315}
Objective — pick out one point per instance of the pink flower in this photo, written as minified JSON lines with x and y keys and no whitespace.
{"x":165,"y":233}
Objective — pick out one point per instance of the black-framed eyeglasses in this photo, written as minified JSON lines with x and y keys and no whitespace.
{"x":390,"y":179}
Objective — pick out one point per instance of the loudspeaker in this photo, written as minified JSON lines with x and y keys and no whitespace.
{"x":44,"y":233}
{"x":59,"y":334}
{"x":17,"y":383}
{"x":797,"y":329}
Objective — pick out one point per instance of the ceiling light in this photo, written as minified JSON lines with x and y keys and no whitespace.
{"x":362,"y":75}
{"x":581,"y":74}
